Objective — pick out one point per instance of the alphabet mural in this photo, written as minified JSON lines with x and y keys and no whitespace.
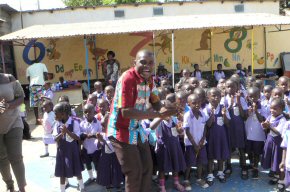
{"x":205,"y":40}
{"x":28,"y":46}
{"x":237,"y":35}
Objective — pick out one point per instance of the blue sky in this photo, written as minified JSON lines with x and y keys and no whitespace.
{"x":33,"y":4}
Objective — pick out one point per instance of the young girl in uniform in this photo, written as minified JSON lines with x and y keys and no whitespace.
{"x":283,"y":82}
{"x":217,"y":138}
{"x":66,"y":132}
{"x":254,"y":131}
{"x":266,"y":101}
{"x":109,"y":170}
{"x":195,"y":133}
{"x":168,"y":151}
{"x":90,"y":126}
{"x":237,"y":107}
{"x":99,"y":89}
{"x":276,"y":124}
{"x":47,"y":123}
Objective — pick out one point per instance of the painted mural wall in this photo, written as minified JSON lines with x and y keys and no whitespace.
{"x":66,"y":57}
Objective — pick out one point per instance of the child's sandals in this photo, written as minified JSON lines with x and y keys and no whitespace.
{"x":244,"y":174}
{"x":274,"y":180}
{"x":221,"y":177}
{"x":179,"y":187}
{"x":187,"y":185}
{"x":281,"y":187}
{"x":202,"y":183}
{"x":228,"y":171}
{"x":210,"y":180}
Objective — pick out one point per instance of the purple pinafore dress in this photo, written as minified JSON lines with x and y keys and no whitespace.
{"x":68,"y":159}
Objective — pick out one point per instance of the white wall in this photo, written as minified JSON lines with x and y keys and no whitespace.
{"x":131,"y":11}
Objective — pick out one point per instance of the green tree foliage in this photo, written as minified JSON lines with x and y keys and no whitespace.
{"x":76,"y":3}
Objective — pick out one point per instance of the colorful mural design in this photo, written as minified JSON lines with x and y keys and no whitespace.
{"x":205,"y":40}
{"x":51,"y":52}
{"x":33,"y":44}
{"x":237,"y":35}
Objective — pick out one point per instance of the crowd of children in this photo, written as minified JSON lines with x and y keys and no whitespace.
{"x":211,"y":123}
{"x":240,"y":113}
{"x":82,"y":140}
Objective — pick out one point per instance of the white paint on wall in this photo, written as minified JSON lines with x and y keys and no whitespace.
{"x":141,"y":11}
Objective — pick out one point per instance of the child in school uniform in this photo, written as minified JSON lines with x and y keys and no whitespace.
{"x":66,"y":132}
{"x":47,"y":123}
{"x":152,"y":144}
{"x":283,"y":82}
{"x":219,"y":74}
{"x":103,"y":107}
{"x":276,"y":124}
{"x":236,"y":106}
{"x":109,"y":169}
{"x":285,"y":164}
{"x":265,"y":102}
{"x":89,"y":127}
{"x":217,"y":138}
{"x":98,"y":89}
{"x":254,"y":131}
{"x":109,"y":93}
{"x":196,"y":73}
{"x":195,"y":140}
{"x":47,"y":93}
{"x":168,"y":151}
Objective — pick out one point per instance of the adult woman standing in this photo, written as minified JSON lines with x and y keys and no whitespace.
{"x":11,"y":131}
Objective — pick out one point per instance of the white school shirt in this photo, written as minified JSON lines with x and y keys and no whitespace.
{"x":266,"y":105}
{"x":244,"y":104}
{"x":286,"y":145}
{"x":35,"y":72}
{"x":76,"y":128}
{"x":219,"y":75}
{"x":90,"y":128}
{"x":48,"y":94}
{"x":108,"y":146}
{"x":195,"y":126}
{"x":48,"y":121}
{"x":282,"y":126}
{"x":254,"y":129}
{"x":197,"y":75}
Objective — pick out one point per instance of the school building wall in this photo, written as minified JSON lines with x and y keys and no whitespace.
{"x":66,"y":57}
{"x":103,"y":13}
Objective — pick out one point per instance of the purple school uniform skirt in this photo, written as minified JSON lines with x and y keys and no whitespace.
{"x":256,"y":147}
{"x":272,"y":153}
{"x":109,"y":170}
{"x":68,"y":158}
{"x":287,"y":178}
{"x":192,"y":159}
{"x":169,"y":154}
{"x":237,"y":131}
{"x":218,"y":142}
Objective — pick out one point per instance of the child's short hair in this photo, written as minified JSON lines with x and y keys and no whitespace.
{"x":98,"y":83}
{"x":48,"y":102}
{"x":278,"y":102}
{"x":63,"y":98}
{"x":112,"y":53}
{"x":109,"y":87}
{"x":62,"y":107}
{"x":219,"y":65}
